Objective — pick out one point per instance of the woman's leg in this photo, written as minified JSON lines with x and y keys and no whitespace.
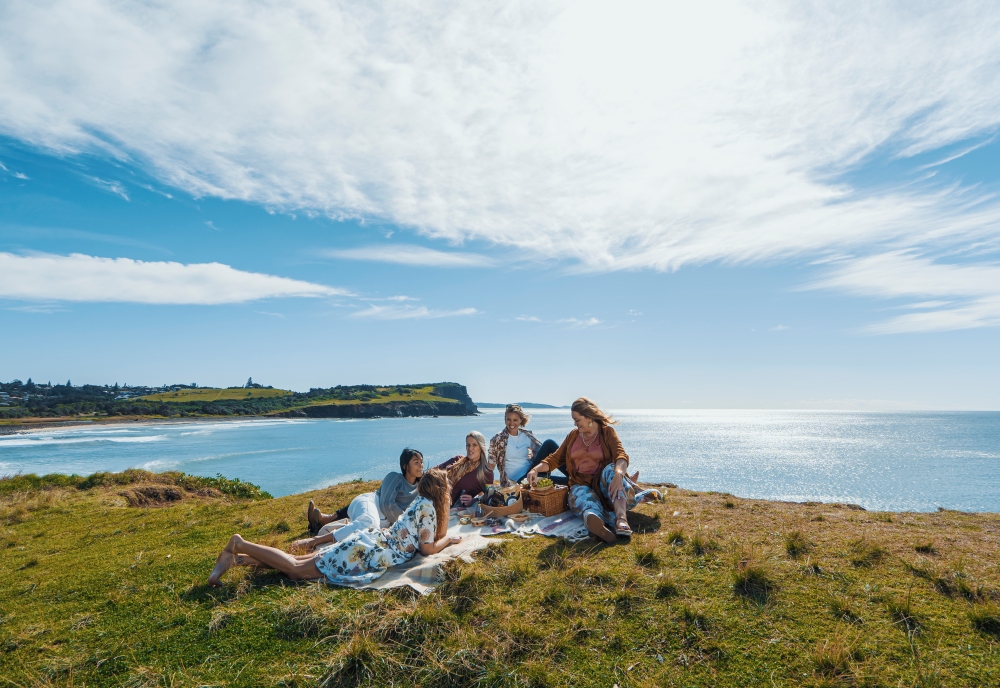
{"x":585,"y":503}
{"x":240,"y":552}
{"x":548,"y":446}
{"x":363,"y":513}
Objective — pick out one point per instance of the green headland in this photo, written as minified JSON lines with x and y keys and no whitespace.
{"x":30,"y":402}
{"x":102,"y":583}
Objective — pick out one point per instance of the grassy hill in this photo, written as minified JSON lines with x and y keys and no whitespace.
{"x":182,"y":396}
{"x":712,"y":591}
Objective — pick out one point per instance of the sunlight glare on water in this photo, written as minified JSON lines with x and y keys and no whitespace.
{"x":889,"y":461}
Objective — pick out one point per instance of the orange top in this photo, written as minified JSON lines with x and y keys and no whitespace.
{"x":586,"y":459}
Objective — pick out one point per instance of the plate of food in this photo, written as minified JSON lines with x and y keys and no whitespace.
{"x":521,"y":517}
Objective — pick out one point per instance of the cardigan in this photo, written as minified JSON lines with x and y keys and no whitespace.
{"x":613,"y":452}
{"x":498,"y":450}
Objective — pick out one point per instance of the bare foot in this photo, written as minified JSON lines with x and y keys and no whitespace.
{"x":595,"y":524}
{"x":224,"y":562}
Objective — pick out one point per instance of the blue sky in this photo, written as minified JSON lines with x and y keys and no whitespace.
{"x":688,"y":212}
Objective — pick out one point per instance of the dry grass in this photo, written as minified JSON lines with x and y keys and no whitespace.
{"x":103,"y":605}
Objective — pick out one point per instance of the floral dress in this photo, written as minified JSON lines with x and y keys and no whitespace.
{"x":366,"y":554}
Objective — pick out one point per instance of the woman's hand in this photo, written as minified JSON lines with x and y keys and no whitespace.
{"x":465,"y":500}
{"x":305,"y":544}
{"x":533,"y":476}
{"x":454,"y":540}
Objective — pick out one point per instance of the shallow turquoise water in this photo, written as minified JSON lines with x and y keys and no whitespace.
{"x":889,"y":461}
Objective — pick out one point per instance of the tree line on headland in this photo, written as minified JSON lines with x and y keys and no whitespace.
{"x":46,"y":400}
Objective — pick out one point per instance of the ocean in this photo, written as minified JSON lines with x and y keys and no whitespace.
{"x":912,"y":461}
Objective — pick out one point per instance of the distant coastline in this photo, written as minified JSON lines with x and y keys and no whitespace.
{"x":522,"y":404}
{"x":33,"y":404}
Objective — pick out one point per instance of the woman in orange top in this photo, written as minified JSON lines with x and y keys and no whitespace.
{"x":592,"y":456}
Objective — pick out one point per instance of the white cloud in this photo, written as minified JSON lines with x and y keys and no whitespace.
{"x":645,"y":135}
{"x":114,"y":187}
{"x":20,"y":175}
{"x":79,"y":277}
{"x":375,"y":312}
{"x":580,"y":322}
{"x":972,"y":291}
{"x":411,"y":255}
{"x":528,"y":318}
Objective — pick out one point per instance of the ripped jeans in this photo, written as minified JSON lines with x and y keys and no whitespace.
{"x":583,"y":500}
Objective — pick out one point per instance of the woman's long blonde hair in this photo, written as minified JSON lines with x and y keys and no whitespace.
{"x":588,"y":409}
{"x":434,"y":486}
{"x":484,"y":457}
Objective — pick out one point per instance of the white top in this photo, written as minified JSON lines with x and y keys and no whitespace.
{"x":518,"y":464}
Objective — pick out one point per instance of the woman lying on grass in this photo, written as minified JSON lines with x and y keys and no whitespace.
{"x":378,"y":509}
{"x":365,"y":554}
{"x":593,"y":457}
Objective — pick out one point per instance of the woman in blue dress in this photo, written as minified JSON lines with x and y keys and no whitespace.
{"x":365,"y":554}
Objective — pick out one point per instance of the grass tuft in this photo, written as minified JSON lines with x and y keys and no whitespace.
{"x":925,"y":548}
{"x":702,"y":545}
{"x":986,"y":620}
{"x":903,"y":616}
{"x":729,"y":504}
{"x":920,"y":569}
{"x":841,"y":608}
{"x":865,"y":554}
{"x":675,"y":537}
{"x":752,"y":578}
{"x":666,"y":589}
{"x":646,"y":557}
{"x":835,"y":658}
{"x":796,"y":544}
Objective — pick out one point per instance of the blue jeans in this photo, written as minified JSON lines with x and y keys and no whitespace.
{"x":583,"y":500}
{"x":548,"y":446}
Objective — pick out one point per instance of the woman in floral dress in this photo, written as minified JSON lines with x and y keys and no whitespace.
{"x":364,"y":555}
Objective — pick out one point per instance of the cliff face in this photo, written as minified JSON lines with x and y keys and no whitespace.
{"x":453,"y":390}
{"x":391,"y":409}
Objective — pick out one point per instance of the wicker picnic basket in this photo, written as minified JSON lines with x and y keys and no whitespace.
{"x":498,"y":511}
{"x":547,"y":501}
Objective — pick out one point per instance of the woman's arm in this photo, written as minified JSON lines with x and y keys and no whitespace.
{"x":312,"y":543}
{"x":556,"y":459}
{"x":428,"y":548}
{"x":620,"y":459}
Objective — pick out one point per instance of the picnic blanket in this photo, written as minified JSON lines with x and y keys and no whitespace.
{"x":424,"y":573}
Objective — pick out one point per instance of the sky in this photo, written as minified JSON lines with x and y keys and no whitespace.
{"x":731,"y":205}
